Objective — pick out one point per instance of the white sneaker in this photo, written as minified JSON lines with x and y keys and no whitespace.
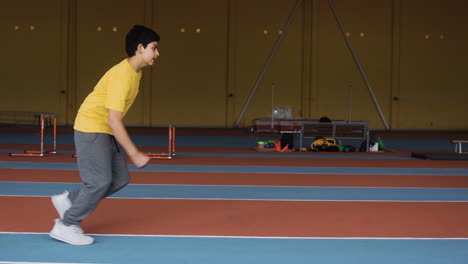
{"x":61,"y":203}
{"x":70,"y":234}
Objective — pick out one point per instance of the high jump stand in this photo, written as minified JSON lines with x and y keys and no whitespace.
{"x":171,"y":147}
{"x":43,"y":119}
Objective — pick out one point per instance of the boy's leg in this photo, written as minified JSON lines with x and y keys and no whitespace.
{"x":120,"y":175}
{"x":94,"y":155}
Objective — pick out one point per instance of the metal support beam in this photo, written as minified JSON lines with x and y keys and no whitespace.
{"x":268,"y":62}
{"x":358,"y":63}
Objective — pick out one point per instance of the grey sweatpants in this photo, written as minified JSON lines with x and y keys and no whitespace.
{"x":103,"y":171}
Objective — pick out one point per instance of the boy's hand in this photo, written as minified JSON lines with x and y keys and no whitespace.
{"x":139,"y":159}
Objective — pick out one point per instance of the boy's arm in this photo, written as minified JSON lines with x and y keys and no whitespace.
{"x":120,"y":133}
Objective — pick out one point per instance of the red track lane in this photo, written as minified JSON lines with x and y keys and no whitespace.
{"x":258,"y":179}
{"x":248,"y":218}
{"x":149,"y":149}
{"x":277,"y":162}
{"x":240,"y":132}
{"x":209,"y":150}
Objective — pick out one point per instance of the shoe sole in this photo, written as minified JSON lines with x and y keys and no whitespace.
{"x":54,"y":236}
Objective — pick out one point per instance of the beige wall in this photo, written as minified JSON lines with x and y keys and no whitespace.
{"x":189,"y":82}
{"x":32,"y":69}
{"x":413,"y":52}
{"x":339,"y":90}
{"x":432,"y":87}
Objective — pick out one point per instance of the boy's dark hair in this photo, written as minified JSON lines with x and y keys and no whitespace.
{"x":139,"y":35}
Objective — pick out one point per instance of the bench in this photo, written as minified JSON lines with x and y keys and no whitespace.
{"x":336,"y":130}
{"x":458,"y":145}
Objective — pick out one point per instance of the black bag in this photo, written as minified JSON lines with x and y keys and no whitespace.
{"x":287,"y":139}
{"x":324,"y":119}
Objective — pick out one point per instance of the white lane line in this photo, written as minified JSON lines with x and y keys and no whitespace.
{"x":252,"y":237}
{"x":264,"y":200}
{"x":15,"y":262}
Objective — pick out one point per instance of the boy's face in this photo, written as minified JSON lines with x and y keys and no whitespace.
{"x":150,"y":53}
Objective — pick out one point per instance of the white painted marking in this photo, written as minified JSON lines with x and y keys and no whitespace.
{"x":264,"y":200}
{"x":15,"y":262}
{"x":256,"y":237}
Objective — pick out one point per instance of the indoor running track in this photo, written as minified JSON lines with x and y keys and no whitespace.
{"x":247,"y":209}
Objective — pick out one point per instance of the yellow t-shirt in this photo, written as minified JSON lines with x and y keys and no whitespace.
{"x":116,"y":90}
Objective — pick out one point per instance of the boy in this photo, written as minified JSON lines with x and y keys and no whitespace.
{"x":99,"y":135}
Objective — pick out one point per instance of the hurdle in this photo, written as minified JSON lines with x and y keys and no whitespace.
{"x":171,"y":146}
{"x":43,"y":118}
{"x":458,"y":145}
